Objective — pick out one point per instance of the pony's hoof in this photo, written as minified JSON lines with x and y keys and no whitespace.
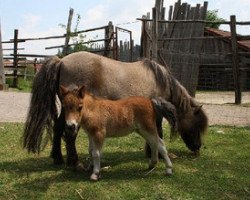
{"x":94,"y":177}
{"x":169,"y":171}
{"x":79,"y":167}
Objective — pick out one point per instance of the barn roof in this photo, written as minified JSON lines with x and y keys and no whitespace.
{"x":243,"y":44}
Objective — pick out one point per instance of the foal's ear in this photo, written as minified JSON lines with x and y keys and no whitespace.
{"x":81,"y":91}
{"x":63,"y":90}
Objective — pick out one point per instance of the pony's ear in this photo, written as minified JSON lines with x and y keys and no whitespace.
{"x":63,"y":90}
{"x":81,"y":91}
{"x":197,"y":109}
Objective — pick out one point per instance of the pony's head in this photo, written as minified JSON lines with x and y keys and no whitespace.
{"x":192,"y":126}
{"x":72,"y":103}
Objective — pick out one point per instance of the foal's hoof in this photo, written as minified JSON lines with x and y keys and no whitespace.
{"x":94,"y":177}
{"x":169,"y":171}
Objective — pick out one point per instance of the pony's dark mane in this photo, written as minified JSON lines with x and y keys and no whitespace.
{"x":191,"y":128}
{"x":179,"y":96}
{"x":160,"y":75}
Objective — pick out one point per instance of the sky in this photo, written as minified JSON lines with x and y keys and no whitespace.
{"x":41,"y":18}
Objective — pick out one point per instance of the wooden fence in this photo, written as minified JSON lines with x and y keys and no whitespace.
{"x":178,"y":41}
{"x":109,"y":49}
{"x":2,"y":75}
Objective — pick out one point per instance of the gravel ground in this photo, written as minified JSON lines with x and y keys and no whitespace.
{"x":218,"y":106}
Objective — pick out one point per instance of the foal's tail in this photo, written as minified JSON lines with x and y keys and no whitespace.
{"x":42,"y":110}
{"x":168,"y":111}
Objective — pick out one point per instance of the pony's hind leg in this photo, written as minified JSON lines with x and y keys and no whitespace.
{"x":58,"y":129}
{"x":72,"y":156}
{"x":164,"y":153}
{"x":56,"y":153}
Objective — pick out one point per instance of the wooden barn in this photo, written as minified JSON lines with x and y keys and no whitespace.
{"x":215,"y":71}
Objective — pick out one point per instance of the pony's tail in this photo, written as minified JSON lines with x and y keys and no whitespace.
{"x":42,"y":110}
{"x":168,"y":111}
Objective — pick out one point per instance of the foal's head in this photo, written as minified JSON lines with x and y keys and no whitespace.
{"x":192,"y":126}
{"x":72,"y":103}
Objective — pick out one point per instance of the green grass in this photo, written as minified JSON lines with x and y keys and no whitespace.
{"x":221,"y":172}
{"x":23,"y":85}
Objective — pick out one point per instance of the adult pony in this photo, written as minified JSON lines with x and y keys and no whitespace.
{"x":110,"y":79}
{"x":101,"y":118}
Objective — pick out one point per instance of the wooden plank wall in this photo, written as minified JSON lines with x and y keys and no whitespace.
{"x":180,"y":55}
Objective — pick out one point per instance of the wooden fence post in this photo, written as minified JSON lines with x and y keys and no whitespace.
{"x":155,"y":16}
{"x":235,"y":60}
{"x":143,"y":38}
{"x":68,"y":33}
{"x":2,"y":75}
{"x":109,"y":31}
{"x":15,"y":60}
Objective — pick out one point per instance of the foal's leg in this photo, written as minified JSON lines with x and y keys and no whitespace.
{"x":97,"y":140}
{"x":154,"y":153}
{"x":90,"y":149}
{"x":159,"y":119}
{"x":151,"y":138}
{"x":58,"y":129}
{"x":164,"y":153}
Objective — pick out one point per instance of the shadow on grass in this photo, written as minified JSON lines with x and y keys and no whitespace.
{"x":37,"y":175}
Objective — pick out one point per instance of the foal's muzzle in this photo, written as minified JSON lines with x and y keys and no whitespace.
{"x":71,"y":127}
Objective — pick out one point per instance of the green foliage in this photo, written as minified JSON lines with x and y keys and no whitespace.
{"x":221,"y":172}
{"x":212,"y":15}
{"x":78,"y":40}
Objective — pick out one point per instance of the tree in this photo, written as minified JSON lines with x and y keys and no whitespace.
{"x":212,"y":15}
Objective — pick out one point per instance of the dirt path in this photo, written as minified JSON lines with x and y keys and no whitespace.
{"x":14,"y":107}
{"x":221,"y":109}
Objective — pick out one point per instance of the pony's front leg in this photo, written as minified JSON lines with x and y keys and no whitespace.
{"x":58,"y":130}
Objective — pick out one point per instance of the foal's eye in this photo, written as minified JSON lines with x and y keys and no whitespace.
{"x":79,"y":108}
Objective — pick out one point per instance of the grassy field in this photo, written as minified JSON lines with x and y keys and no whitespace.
{"x":221,"y":172}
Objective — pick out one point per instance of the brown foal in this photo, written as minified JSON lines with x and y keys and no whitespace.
{"x":102,"y":118}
